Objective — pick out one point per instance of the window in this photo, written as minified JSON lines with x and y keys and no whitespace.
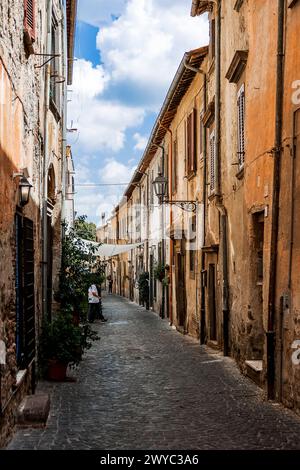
{"x":191,"y":143}
{"x":241,"y":126}
{"x":192,"y":261}
{"x":212,"y":38}
{"x":29,"y":18}
{"x":25,"y":293}
{"x":55,"y":66}
{"x":212,"y":162}
{"x":174,"y":166}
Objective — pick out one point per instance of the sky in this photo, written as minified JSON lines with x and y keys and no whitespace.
{"x":126,"y":55}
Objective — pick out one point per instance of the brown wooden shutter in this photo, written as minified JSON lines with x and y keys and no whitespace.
{"x":194,"y":140}
{"x":29,"y":17}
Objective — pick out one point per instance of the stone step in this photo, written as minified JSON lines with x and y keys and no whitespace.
{"x":254,"y":371}
{"x":34,"y":410}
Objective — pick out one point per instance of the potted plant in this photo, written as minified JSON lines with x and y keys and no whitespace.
{"x":62,"y":344}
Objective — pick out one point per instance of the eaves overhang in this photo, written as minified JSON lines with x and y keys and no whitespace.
{"x":201,"y":6}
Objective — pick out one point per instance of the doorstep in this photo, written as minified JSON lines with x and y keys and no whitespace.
{"x":254,"y":371}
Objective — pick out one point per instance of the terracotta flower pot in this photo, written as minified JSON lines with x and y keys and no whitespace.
{"x":57,"y":371}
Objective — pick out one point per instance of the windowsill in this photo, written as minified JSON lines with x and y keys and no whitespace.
{"x":240,"y":174}
{"x":212,"y":196}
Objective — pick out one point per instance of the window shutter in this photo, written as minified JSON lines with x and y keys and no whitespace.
{"x":191,"y":142}
{"x":212,"y":162}
{"x":241,"y":125}
{"x":194,"y":140}
{"x":29,"y":18}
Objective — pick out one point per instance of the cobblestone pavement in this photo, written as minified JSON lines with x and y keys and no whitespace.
{"x":145,"y":386}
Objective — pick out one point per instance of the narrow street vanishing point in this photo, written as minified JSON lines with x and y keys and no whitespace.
{"x":145,"y":386}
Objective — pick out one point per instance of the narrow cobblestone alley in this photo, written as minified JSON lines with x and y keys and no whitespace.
{"x":145,"y":386}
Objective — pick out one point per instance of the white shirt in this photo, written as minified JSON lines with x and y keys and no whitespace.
{"x":92,"y":298}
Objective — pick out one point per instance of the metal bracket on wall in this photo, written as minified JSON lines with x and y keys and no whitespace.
{"x":51,"y":56}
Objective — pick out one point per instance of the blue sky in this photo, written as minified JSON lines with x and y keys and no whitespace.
{"x":127,"y":52}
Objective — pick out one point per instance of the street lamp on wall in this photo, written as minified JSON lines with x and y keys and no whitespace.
{"x":160,"y":187}
{"x":24,"y":189}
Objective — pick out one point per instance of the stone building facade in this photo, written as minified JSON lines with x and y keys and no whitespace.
{"x":227,"y":138}
{"x":35,"y":67}
{"x":254,"y":65}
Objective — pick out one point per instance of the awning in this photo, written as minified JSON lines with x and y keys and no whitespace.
{"x":108,"y":250}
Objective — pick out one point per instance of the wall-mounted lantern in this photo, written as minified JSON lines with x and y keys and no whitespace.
{"x":24,"y":189}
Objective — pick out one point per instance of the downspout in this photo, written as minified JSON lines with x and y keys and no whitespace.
{"x":171,"y":222}
{"x":218,"y":96}
{"x":163,"y":237}
{"x":64,"y":127}
{"x":275,"y":204}
{"x":162,"y":313}
{"x":202,"y":326}
{"x":220,"y":205}
{"x":45,"y":166}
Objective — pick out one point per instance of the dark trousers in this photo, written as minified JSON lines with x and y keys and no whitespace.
{"x":95,"y":312}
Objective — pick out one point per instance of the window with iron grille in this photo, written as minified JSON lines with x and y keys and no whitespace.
{"x":212,"y":162}
{"x":25,"y":305}
{"x":191,"y":142}
{"x":29,"y":18}
{"x":241,"y":126}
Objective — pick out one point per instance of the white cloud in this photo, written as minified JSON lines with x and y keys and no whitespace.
{"x":97,"y":12}
{"x":101,"y":123}
{"x":145,"y":45}
{"x":88,"y":81}
{"x":141,"y":141}
{"x":93,"y":201}
{"x":116,"y":172}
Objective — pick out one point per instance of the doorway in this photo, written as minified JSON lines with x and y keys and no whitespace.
{"x":181,"y":290}
{"x":212,"y":308}
{"x":25,"y":294}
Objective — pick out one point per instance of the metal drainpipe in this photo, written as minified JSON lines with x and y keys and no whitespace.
{"x":202,"y":327}
{"x":204,"y":191}
{"x":163,"y":240}
{"x":220,"y":206}
{"x":45,"y":166}
{"x":64,"y":139}
{"x":275,"y":203}
{"x":293,"y":183}
{"x":218,"y":96}
{"x":171,"y":221}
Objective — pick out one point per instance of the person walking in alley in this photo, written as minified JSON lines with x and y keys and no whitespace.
{"x":95,"y":306}
{"x":110,"y":286}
